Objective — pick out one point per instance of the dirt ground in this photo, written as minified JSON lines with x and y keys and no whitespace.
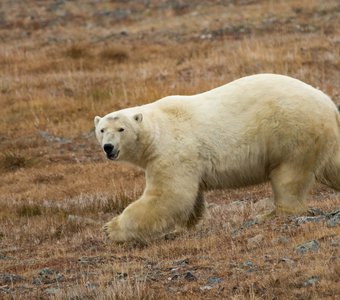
{"x":63,"y":62}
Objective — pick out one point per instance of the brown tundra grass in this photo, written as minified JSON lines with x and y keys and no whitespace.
{"x":62,"y":63}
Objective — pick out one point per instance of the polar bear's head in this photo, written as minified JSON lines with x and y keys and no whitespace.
{"x":118,"y":134}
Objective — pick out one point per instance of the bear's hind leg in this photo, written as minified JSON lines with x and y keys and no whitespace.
{"x":291,"y":184}
{"x":197,"y":213}
{"x":330,"y":175}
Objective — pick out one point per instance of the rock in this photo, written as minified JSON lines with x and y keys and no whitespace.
{"x":334,"y":220}
{"x":265,"y":204}
{"x":315,"y":212}
{"x":90,"y":286}
{"x":47,"y":276}
{"x":78,"y":219}
{"x":205,"y":287}
{"x":248,"y":266}
{"x":10,"y":278}
{"x":302,"y":220}
{"x":2,"y":256}
{"x":189,"y":276}
{"x":248,"y":223}
{"x":173,"y":277}
{"x":182,"y":262}
{"x":52,"y":291}
{"x":121,"y":275}
{"x":288,"y":261}
{"x":214,"y":280}
{"x":53,"y":139}
{"x":312,"y":245}
{"x":255,"y":241}
{"x":247,"y":263}
{"x":280,"y":240}
{"x":336,"y":241}
{"x":311,"y":281}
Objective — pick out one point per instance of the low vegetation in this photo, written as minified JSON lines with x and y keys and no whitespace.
{"x":63,"y":62}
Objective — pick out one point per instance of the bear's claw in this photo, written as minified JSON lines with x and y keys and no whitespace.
{"x":106,"y":230}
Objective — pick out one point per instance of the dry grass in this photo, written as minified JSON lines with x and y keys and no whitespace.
{"x":63,"y":63}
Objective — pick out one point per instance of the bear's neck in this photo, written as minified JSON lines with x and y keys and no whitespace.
{"x":146,"y":151}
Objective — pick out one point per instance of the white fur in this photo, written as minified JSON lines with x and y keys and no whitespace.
{"x":258,"y":128}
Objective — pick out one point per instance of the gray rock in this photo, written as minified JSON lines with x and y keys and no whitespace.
{"x":315,"y":212}
{"x":311,"y":246}
{"x":281,"y":240}
{"x":2,"y":256}
{"x":248,"y":223}
{"x":302,"y":220}
{"x":52,"y":291}
{"x":205,"y":287}
{"x":53,"y":139}
{"x":10,"y":278}
{"x":334,"y":220}
{"x":255,"y":241}
{"x":121,"y":275}
{"x":182,"y":262}
{"x":78,"y":219}
{"x":189,"y":276}
{"x":214,"y":280}
{"x":311,"y":281}
{"x":247,"y":263}
{"x":47,"y":275}
{"x":90,"y":286}
{"x":288,"y":261}
{"x":336,"y":241}
{"x":173,"y":277}
{"x":248,"y":266}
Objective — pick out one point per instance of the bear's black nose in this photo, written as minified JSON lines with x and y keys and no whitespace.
{"x":108,"y":148}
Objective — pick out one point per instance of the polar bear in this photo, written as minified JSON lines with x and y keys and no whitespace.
{"x":257,"y":128}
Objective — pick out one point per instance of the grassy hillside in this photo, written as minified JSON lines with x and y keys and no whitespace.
{"x":63,"y":62}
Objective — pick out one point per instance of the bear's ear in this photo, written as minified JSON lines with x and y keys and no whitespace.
{"x":138,"y":117}
{"x":96,"y":120}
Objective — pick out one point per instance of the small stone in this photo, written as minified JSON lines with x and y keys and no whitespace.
{"x":10,"y":278}
{"x":334,"y":220}
{"x":2,"y":256}
{"x":312,"y":245}
{"x":90,"y":286}
{"x":249,"y":223}
{"x":255,"y":241}
{"x":288,"y":261}
{"x":173,"y":277}
{"x":265,"y":204}
{"x":315,"y":211}
{"x":302,"y":220}
{"x":189,"y":276}
{"x":247,"y":263}
{"x":336,"y":241}
{"x":52,"y":291}
{"x":47,"y":275}
{"x":214,"y":280}
{"x":78,"y":219}
{"x":280,"y":240}
{"x":311,"y":281}
{"x":248,"y":266}
{"x":121,"y":275}
{"x":205,"y":287}
{"x":182,"y":262}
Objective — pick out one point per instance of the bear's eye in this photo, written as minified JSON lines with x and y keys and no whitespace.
{"x":101,"y":130}
{"x":121,"y":129}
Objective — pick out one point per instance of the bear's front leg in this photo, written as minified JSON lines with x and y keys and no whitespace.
{"x":141,"y":221}
{"x":166,"y":203}
{"x":113,"y":230}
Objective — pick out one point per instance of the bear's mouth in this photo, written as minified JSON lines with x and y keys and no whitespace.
{"x":113,"y":155}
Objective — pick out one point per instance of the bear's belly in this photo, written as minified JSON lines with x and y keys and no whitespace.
{"x":234,"y":178}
